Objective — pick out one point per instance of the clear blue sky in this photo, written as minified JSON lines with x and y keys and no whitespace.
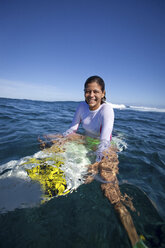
{"x":48,"y":48}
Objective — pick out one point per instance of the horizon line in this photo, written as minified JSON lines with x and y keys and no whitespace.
{"x":135,"y":105}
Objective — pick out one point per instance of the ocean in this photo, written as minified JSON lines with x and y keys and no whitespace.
{"x":83,"y":218}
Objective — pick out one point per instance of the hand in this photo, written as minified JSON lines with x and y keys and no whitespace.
{"x":52,"y":136}
{"x":47,"y":140}
{"x":75,"y":137}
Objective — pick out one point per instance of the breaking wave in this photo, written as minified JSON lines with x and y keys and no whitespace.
{"x":148,"y":109}
{"x":138,"y":108}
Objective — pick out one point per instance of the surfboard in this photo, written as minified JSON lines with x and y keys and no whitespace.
{"x":51,"y":172}
{"x":59,"y":170}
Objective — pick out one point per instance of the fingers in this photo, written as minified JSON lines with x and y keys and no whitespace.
{"x":42,"y":143}
{"x":48,"y":140}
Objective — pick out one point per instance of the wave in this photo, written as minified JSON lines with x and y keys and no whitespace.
{"x":119,"y":106}
{"x":148,"y":109}
{"x":138,"y":108}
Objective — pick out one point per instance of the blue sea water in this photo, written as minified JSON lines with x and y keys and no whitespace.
{"x":83,"y":218}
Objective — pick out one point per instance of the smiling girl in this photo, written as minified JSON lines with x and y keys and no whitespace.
{"x":95,"y":114}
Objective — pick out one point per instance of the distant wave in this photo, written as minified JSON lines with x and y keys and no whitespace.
{"x":118,"y":106}
{"x":138,"y":108}
{"x":141,"y":108}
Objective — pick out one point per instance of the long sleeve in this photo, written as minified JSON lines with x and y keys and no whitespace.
{"x":75,"y":122}
{"x":106,"y":131}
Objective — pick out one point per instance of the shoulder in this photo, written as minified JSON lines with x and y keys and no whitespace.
{"x":107,"y":106}
{"x":107,"y":110}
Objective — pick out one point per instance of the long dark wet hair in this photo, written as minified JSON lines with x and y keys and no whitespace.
{"x":99,"y":81}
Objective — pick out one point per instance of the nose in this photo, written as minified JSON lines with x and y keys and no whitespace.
{"x":91,"y":93}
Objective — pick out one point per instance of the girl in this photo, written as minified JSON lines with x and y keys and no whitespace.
{"x":95,"y":114}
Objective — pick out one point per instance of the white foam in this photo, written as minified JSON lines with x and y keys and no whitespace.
{"x":10,"y":165}
{"x":40,"y":154}
{"x":120,"y":142}
{"x":119,"y":106}
{"x":142,"y":108}
{"x":138,"y":108}
{"x":76,"y":164}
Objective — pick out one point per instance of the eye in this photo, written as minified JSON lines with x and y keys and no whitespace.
{"x":96,"y":91}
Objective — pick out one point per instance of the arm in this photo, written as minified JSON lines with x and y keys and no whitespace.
{"x":106,"y":130}
{"x":75,"y":122}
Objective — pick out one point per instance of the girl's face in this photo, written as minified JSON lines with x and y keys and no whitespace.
{"x":93,"y":95}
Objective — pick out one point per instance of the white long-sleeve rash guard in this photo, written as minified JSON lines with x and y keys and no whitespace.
{"x":97,"y":124}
